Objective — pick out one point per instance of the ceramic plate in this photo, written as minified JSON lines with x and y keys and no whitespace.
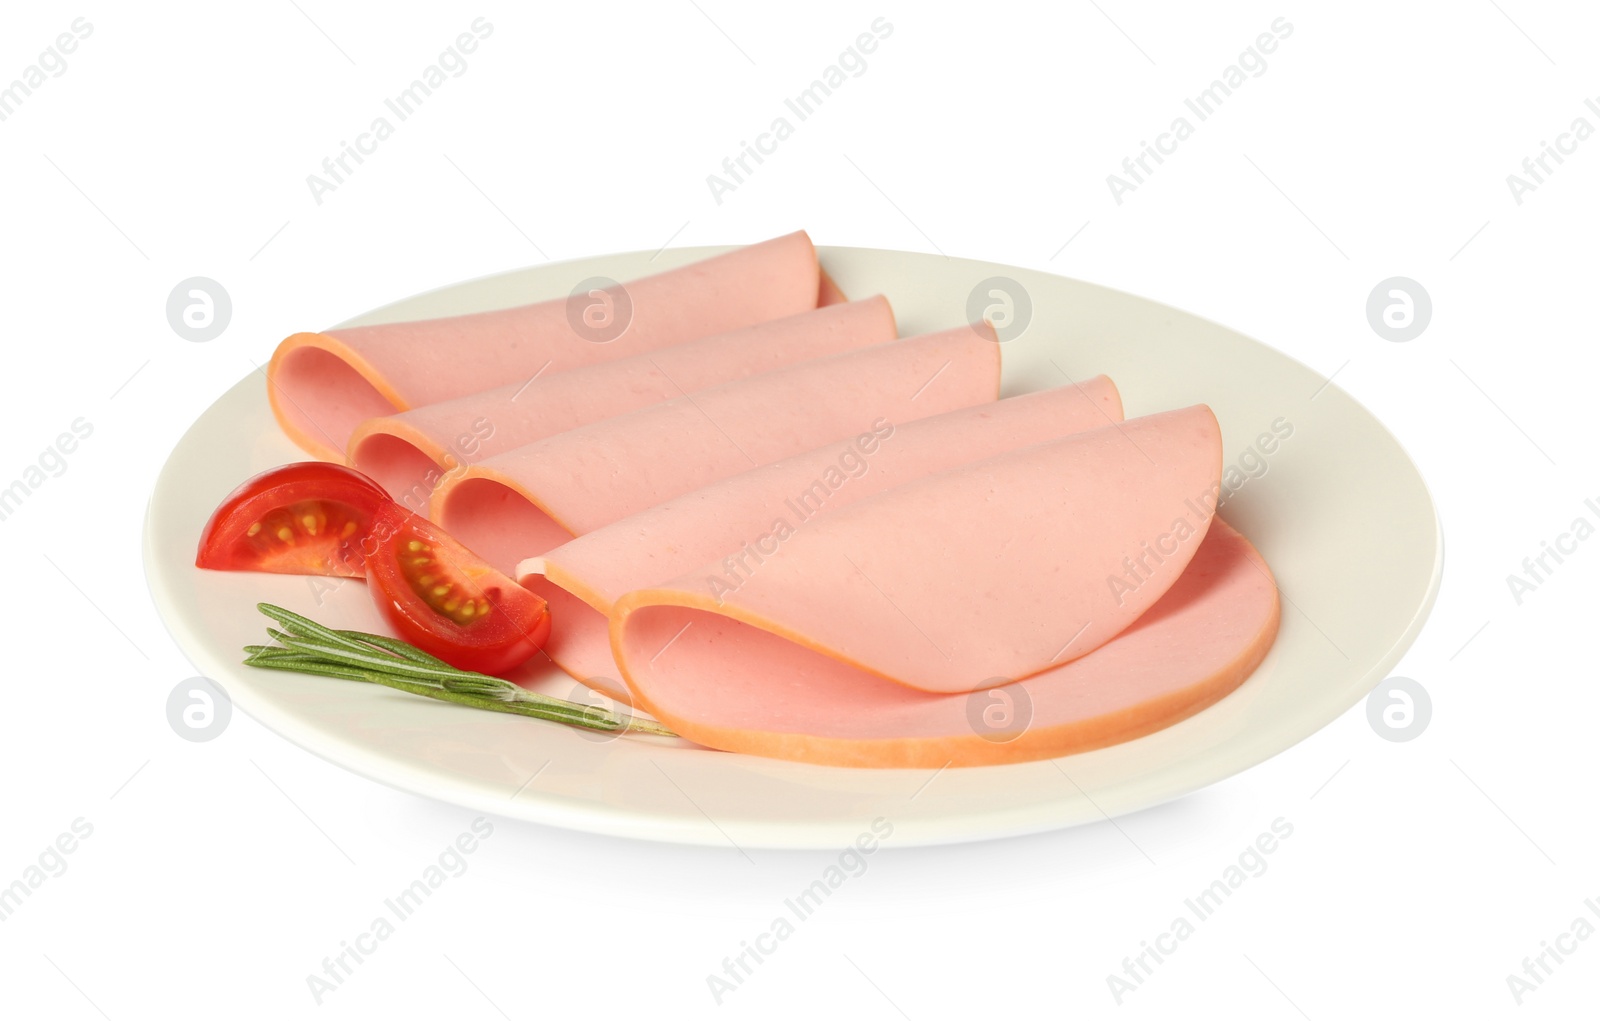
{"x":1338,"y":510}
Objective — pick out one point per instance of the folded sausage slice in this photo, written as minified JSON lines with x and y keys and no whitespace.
{"x":322,"y":385}
{"x":532,"y":499}
{"x":408,"y":453}
{"x":731,"y":528}
{"x":727,"y":685}
{"x":1003,"y":567}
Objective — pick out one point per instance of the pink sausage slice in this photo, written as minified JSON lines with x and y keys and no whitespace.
{"x":738,"y":524}
{"x":1004,"y":567}
{"x":322,"y":385}
{"x":408,"y":453}
{"x":731,"y":686}
{"x":530,"y":500}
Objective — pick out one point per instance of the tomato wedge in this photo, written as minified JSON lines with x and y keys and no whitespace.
{"x":304,"y":518}
{"x":444,"y":599}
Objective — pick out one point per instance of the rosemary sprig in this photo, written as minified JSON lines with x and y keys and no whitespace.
{"x":306,"y":647}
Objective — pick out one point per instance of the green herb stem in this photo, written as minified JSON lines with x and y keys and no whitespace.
{"x":310,"y":648}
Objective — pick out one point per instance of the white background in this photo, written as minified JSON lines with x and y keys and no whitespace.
{"x":1377,"y":143}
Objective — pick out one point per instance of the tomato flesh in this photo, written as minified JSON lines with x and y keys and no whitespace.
{"x":444,"y":599}
{"x":304,"y":518}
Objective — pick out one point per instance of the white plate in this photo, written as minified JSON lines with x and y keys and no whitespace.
{"x":1339,"y":512}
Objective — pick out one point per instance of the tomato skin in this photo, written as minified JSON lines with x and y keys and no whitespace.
{"x":310,"y":517}
{"x":444,"y":599}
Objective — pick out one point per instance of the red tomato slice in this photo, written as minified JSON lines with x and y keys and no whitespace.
{"x":305,"y":518}
{"x":441,"y":597}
